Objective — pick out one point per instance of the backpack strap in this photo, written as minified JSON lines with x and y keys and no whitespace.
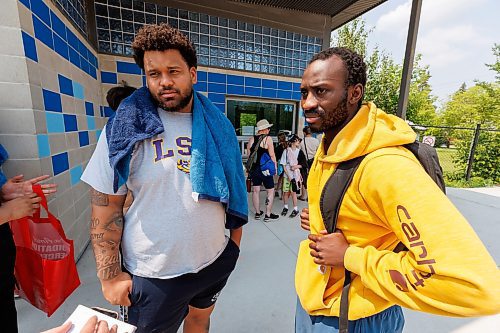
{"x":331,"y":198}
{"x":334,"y":191}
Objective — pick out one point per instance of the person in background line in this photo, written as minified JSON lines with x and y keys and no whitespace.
{"x":443,"y":268}
{"x":258,"y":179}
{"x":116,"y":95}
{"x":279,"y":148}
{"x":179,"y":155}
{"x":293,"y":179}
{"x":17,"y":200}
{"x":309,"y":146}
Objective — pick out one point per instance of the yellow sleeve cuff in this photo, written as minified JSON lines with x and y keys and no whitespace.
{"x":353,"y":259}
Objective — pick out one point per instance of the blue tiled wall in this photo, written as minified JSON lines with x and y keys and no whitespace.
{"x":219,"y":85}
{"x":50,"y":29}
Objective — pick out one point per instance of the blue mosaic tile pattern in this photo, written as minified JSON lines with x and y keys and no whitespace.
{"x":89,"y":108}
{"x":43,"y":145}
{"x":109,"y":77}
{"x":83,"y":138}
{"x":75,"y":174}
{"x":70,"y":123}
{"x":52,"y":101}
{"x":29,"y":47}
{"x":55,"y":122}
{"x":65,"y":85}
{"x":51,"y":31}
{"x":60,"y":163}
{"x":217,"y":84}
{"x":49,"y":28}
{"x":128,"y":68}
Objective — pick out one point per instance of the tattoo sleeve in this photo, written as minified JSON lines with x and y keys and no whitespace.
{"x":99,"y":199}
{"x":106,"y":228}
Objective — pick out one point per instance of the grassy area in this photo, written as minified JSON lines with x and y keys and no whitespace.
{"x":446,"y":156}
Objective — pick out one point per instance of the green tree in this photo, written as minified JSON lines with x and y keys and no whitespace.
{"x":496,"y":66}
{"x":384,"y":75}
{"x":479,"y":104}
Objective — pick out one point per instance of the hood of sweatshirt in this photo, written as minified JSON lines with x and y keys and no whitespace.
{"x":369,"y":130}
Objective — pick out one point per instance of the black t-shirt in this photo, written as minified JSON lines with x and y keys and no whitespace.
{"x":260,"y":150}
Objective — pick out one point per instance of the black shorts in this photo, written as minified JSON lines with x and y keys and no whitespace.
{"x":258,"y":179}
{"x":160,"y":305}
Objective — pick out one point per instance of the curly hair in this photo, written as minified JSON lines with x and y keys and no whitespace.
{"x":162,"y":37}
{"x":353,"y":62}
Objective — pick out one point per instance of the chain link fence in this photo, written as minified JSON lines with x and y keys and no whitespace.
{"x":464,"y":152}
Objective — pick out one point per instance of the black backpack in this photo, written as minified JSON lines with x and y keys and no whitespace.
{"x":336,"y":187}
{"x":252,"y":158}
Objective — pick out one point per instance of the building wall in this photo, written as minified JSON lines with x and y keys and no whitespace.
{"x":216,"y":83}
{"x":53,"y":85}
{"x":49,"y":114}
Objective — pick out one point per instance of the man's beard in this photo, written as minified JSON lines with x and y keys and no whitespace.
{"x":181,"y":105}
{"x":331,"y":119}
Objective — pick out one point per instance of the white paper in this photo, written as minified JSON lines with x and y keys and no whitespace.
{"x":82,"y":314}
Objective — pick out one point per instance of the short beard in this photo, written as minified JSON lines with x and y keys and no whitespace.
{"x":182,"y":104}
{"x":335,"y":118}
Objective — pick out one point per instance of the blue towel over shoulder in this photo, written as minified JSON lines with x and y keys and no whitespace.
{"x":216,"y":169}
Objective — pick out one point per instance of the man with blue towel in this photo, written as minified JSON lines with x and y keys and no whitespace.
{"x":178,"y":155}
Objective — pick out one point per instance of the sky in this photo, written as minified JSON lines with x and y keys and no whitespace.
{"x":455,"y":38}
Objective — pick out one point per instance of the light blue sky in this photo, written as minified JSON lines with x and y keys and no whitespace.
{"x":455,"y":38}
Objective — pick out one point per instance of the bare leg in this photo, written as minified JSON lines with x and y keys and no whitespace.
{"x":255,"y":198}
{"x":294,"y":199}
{"x":198,"y":320}
{"x":286,"y":195}
{"x":270,"y":198}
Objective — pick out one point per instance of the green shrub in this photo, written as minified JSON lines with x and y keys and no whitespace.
{"x":486,"y":163}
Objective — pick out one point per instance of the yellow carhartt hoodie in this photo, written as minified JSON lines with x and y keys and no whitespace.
{"x":447,"y":269}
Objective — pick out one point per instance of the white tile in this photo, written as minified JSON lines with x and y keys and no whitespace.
{"x":20,"y":146}
{"x":9,"y":15}
{"x":57,"y":143}
{"x":17,"y":121}
{"x":20,"y":100}
{"x":25,"y":19}
{"x":34,"y":76}
{"x":12,"y":43}
{"x":29,"y":168}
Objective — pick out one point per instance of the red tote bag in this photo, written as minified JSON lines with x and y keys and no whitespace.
{"x":45,"y":267}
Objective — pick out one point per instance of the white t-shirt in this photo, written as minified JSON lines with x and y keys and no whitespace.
{"x":166,"y":233}
{"x":286,"y":163}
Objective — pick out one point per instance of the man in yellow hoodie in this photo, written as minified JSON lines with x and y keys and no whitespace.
{"x":446,"y":269}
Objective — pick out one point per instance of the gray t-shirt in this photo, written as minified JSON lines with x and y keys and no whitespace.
{"x":166,"y":232}
{"x":312,"y":144}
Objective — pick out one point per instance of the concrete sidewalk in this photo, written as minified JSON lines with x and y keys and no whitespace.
{"x":260,"y":295}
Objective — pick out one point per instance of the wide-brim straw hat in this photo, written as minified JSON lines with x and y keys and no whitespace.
{"x":263,"y":124}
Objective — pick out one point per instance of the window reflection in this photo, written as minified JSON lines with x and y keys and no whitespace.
{"x":245,"y":114}
{"x":219,"y":41}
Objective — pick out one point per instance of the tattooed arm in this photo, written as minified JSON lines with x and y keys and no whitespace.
{"x":106,"y":230}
